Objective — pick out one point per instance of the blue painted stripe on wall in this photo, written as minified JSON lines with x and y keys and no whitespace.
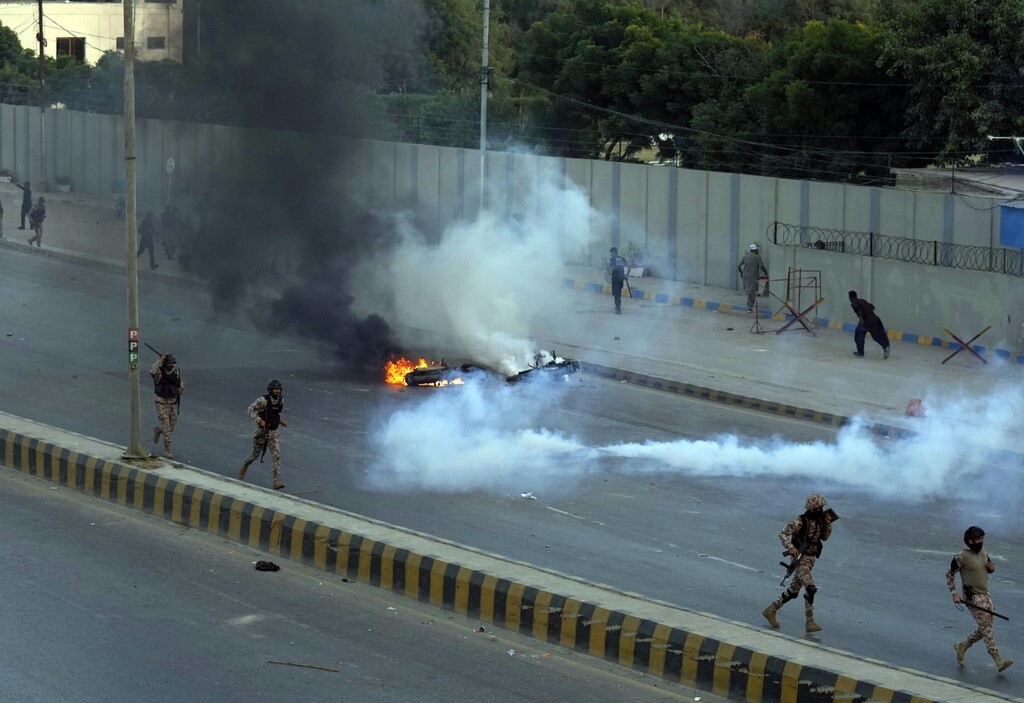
{"x":673,"y":207}
{"x":414,"y":168}
{"x":616,"y":183}
{"x":805,"y":207}
{"x":874,"y":215}
{"x":734,"y":224}
{"x":947,"y":227}
{"x":460,"y":183}
{"x":509,"y":171}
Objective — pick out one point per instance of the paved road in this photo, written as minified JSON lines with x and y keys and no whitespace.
{"x":704,"y":542}
{"x":106,"y":604}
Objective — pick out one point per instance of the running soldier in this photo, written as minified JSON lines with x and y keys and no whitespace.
{"x":36,"y":215}
{"x":974,"y":566}
{"x":266,"y":411}
{"x":802,"y":538}
{"x":167,"y":388}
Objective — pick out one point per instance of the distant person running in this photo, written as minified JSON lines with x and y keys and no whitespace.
{"x":868,"y":322}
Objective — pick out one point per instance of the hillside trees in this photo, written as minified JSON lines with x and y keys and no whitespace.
{"x":963,"y":63}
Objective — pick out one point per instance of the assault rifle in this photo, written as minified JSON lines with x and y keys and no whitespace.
{"x":178,"y":400}
{"x":984,"y":610}
{"x":795,"y":561}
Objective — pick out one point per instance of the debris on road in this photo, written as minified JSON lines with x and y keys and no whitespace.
{"x":304,"y":666}
{"x":267,"y":566}
{"x":528,"y":495}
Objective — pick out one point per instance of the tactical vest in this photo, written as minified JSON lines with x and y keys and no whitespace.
{"x":974,"y":572}
{"x":167,"y":385}
{"x":618,"y":266}
{"x":272,"y":413}
{"x":808,"y":540}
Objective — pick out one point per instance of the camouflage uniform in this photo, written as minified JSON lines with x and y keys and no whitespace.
{"x":35,"y":218}
{"x":167,"y":388}
{"x":805,"y":533}
{"x":974,"y":568}
{"x":268,"y":409}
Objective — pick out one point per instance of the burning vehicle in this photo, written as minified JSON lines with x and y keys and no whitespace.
{"x":432,"y":373}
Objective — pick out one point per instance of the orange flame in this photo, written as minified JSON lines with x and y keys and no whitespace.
{"x":395,"y":369}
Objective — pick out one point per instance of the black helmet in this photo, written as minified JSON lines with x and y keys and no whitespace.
{"x":274,"y":383}
{"x":614,"y":250}
{"x":169,"y":359}
{"x":973,"y":532}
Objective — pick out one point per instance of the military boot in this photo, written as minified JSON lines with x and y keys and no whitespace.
{"x":241,"y":471}
{"x":769,"y":614}
{"x":168,"y":454}
{"x":278,"y":484}
{"x":1001,"y":664}
{"x":156,"y":434}
{"x":961,"y":649}
{"x":811,"y":625}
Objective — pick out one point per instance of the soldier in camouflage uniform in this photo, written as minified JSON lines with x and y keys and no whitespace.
{"x":168,"y":388}
{"x":802,"y":539}
{"x":974,"y":566}
{"x":266,"y":411}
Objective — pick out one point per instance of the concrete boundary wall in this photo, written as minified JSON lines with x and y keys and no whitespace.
{"x":728,"y":659}
{"x":693,"y":225}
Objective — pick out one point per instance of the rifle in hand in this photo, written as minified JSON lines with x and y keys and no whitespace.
{"x":984,"y":610}
{"x":830,"y":515}
{"x":178,"y":400}
{"x":791,"y":566}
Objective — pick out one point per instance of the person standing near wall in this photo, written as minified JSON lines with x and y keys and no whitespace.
{"x":617,"y":266}
{"x":26,"y":200}
{"x":749,"y":269}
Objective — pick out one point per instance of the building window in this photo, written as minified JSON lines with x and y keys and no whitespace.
{"x":71,"y":46}
{"x":154,"y":42}
{"x":120,"y":43}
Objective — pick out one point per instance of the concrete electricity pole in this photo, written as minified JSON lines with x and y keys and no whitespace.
{"x":135,"y":450}
{"x":42,"y":100}
{"x":485,"y":80}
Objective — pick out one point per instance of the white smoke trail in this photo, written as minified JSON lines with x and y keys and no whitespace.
{"x":484,"y":438}
{"x":482,"y":280}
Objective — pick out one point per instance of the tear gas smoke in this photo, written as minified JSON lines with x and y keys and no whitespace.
{"x":278,"y":228}
{"x":483,"y":278}
{"x":484,"y":440}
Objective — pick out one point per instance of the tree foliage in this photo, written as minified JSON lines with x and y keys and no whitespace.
{"x":830,"y":89}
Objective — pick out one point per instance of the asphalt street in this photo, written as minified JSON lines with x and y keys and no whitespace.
{"x":106,"y":604}
{"x":702,"y":542}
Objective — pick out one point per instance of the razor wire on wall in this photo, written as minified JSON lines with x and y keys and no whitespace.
{"x":916,"y":251}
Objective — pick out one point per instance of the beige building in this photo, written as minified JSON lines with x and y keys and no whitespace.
{"x":86,"y":29}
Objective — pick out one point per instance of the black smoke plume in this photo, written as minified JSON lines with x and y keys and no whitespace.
{"x":279,"y":226}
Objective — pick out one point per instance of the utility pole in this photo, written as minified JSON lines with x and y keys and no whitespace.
{"x":485,"y":80}
{"x":42,"y":100}
{"x":135,"y":449}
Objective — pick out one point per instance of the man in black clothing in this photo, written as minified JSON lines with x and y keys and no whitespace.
{"x":868,"y":323}
{"x":617,"y":266}
{"x":26,"y":200}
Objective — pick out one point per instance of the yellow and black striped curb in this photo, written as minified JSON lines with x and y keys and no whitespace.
{"x":670,"y":653}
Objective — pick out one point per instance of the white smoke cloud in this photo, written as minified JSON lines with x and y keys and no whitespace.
{"x":482,"y":437}
{"x":484,"y":277}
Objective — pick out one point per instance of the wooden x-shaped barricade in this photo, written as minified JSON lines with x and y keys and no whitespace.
{"x":966,"y":345}
{"x":800,"y":316}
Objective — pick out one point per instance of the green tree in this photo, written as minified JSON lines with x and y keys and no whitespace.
{"x":829,"y":109}
{"x":962,"y":60}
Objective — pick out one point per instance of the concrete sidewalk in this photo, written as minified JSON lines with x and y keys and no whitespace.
{"x":696,"y":337}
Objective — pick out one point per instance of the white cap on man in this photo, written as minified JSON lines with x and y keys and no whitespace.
{"x":753,"y":247}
